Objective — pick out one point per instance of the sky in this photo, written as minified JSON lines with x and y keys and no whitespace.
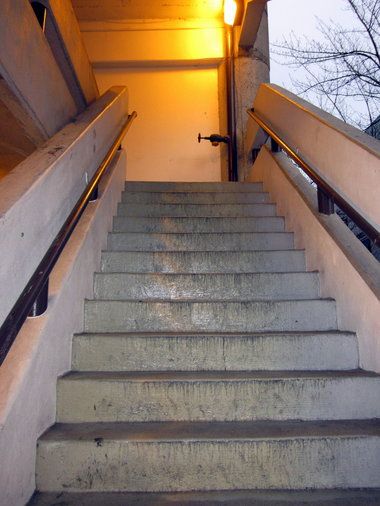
{"x":299,"y":16}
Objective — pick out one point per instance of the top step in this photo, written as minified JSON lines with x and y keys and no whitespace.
{"x":192,"y":187}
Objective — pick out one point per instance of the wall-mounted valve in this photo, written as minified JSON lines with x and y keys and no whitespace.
{"x":215,"y":139}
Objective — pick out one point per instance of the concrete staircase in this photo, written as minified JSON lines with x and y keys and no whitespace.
{"x":209,"y":363}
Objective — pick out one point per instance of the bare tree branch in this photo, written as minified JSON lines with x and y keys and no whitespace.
{"x":341,"y":71}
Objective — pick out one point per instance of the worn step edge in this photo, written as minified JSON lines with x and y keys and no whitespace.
{"x":197,"y":225}
{"x":169,"y":186}
{"x":195,"y":316}
{"x":206,"y":197}
{"x":197,"y":210}
{"x":154,"y":351}
{"x":217,"y":395}
{"x":241,"y":286}
{"x":182,"y":457}
{"x":135,"y":241}
{"x":204,"y":261}
{"x":335,"y":497}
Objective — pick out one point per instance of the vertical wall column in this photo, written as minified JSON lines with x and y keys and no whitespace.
{"x":251,"y":69}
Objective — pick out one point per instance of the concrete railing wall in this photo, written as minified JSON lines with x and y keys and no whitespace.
{"x":36,"y":199}
{"x":38,"y":195}
{"x":350,"y":161}
{"x":346,"y":157}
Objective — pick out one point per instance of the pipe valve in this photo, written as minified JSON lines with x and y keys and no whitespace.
{"x":215,"y":139}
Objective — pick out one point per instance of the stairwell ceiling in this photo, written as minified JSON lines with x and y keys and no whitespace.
{"x":103,"y":10}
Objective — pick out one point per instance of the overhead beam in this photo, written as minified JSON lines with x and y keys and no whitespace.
{"x":117,"y":10}
{"x":65,"y":39}
{"x":253,"y":13}
{"x":30,"y":70}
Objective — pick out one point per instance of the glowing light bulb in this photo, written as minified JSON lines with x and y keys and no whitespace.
{"x":230,"y":8}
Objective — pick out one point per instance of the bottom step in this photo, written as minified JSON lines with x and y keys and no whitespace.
{"x":182,"y":457}
{"x":237,"y":498}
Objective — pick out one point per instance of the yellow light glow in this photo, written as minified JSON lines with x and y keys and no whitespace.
{"x":230,"y":8}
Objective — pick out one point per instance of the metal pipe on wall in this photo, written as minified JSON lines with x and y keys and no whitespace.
{"x":231,"y":107}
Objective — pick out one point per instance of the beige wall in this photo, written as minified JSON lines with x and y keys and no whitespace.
{"x":171,"y":70}
{"x":173,"y":105}
{"x":348,"y":272}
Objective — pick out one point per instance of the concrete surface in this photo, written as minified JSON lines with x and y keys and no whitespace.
{"x":186,"y":225}
{"x":135,"y":197}
{"x":187,"y":456}
{"x":70,"y":52}
{"x":187,"y":352}
{"x":193,"y":210}
{"x":42,"y":349}
{"x":190,"y":316}
{"x":216,"y":396}
{"x":191,"y":381}
{"x":136,"y":241}
{"x":30,"y":70}
{"x":243,"y":287}
{"x":347,"y":158}
{"x":38,"y":195}
{"x":203,"y":261}
{"x":353,"y":497}
{"x":348,"y":272}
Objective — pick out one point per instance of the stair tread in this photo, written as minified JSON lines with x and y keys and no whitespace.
{"x":219,"y":376}
{"x":334,"y":497}
{"x":199,"y":251}
{"x":190,"y":186}
{"x":258,"y":335}
{"x":212,"y":301}
{"x":125,"y":204}
{"x":211,"y":431}
{"x":207,"y":274}
{"x":185,"y":192}
{"x":200,"y":233}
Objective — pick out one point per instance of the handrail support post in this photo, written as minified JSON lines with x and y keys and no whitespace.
{"x":325,"y":202}
{"x":275,"y":148}
{"x":41,"y":303}
{"x":95,"y":194}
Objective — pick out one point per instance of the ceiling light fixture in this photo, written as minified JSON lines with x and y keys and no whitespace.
{"x":230,"y":8}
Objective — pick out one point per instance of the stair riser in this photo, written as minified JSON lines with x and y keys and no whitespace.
{"x":158,"y":186}
{"x":102,"y":400}
{"x":189,"y":210}
{"x":203,"y":261}
{"x":196,"y":353}
{"x":197,"y":225}
{"x":143,"y":466}
{"x":334,"y":497}
{"x":284,"y":286}
{"x":194,"y":198}
{"x":120,"y":316}
{"x":201,"y":242}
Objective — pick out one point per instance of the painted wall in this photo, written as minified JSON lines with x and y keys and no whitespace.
{"x":171,"y":70}
{"x":348,"y":272}
{"x":42,"y":350}
{"x":173,"y":105}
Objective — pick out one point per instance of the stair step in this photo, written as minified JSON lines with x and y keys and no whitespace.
{"x":135,"y":241}
{"x":197,"y":225}
{"x":264,"y":286}
{"x":197,"y":210}
{"x":194,"y":352}
{"x":189,"y":316}
{"x":337,"y":497}
{"x":217,"y":396}
{"x":204,"y":261}
{"x":141,"y":197}
{"x":164,"y":186}
{"x":157,"y":457}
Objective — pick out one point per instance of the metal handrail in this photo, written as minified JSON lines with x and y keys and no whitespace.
{"x":328,"y":190}
{"x":28,"y":301}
